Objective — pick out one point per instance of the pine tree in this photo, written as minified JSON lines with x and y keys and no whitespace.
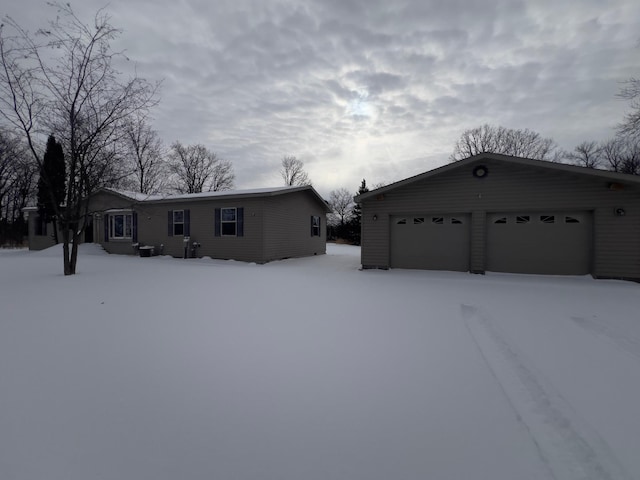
{"x":51,"y":185}
{"x":356,"y":218}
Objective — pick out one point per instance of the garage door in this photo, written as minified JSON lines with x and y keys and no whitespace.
{"x":556,"y":243}
{"x":432,"y":242}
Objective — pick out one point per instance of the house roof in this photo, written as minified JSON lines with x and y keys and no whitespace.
{"x":226,"y":194}
{"x":558,"y":167}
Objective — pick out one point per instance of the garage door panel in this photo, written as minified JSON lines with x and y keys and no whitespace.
{"x":540,"y":243}
{"x":433,"y":242}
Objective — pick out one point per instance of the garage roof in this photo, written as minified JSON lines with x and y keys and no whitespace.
{"x":560,"y":167}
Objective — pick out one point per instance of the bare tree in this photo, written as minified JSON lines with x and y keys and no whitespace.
{"x":196,"y":169}
{"x":341,"y":203}
{"x":63,"y":81}
{"x":492,"y":139}
{"x":587,"y":154}
{"x":18,"y":174}
{"x":293,"y":173}
{"x":630,"y":127}
{"x":145,"y":151}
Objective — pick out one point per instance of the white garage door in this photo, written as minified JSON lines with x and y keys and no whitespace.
{"x":430,"y":242}
{"x":555,"y":243}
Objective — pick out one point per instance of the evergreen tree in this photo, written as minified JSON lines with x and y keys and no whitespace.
{"x":51,"y":185}
{"x":356,"y":218}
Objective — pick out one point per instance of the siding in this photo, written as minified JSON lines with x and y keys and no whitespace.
{"x":287,"y":226}
{"x":152,"y":229}
{"x":98,"y":205}
{"x":513,"y":188}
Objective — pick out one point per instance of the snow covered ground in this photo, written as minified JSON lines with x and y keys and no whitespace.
{"x":304,"y":369}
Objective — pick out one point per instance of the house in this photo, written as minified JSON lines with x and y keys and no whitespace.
{"x":499,"y":213}
{"x":248,"y":225}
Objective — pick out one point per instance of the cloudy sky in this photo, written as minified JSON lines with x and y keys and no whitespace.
{"x":365,"y":88}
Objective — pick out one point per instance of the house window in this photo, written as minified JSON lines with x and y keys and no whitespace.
{"x":418,"y":220}
{"x":120,"y":226}
{"x":523,"y":219}
{"x":456,"y":221}
{"x":402,"y":221}
{"x":547,"y":218}
{"x":228,"y":222}
{"x":178,"y":222}
{"x":437,"y":220}
{"x":40,"y":225}
{"x":568,"y":219}
{"x":501,"y":220}
{"x":315,"y":226}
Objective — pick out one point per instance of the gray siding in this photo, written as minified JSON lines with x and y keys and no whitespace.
{"x":287,"y":224}
{"x":99,"y":204}
{"x":513,"y":188}
{"x":39,"y":242}
{"x":153,"y":229}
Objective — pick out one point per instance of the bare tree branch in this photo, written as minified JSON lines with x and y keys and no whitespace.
{"x":293,"y":173}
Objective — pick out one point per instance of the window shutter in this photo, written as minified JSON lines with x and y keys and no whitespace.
{"x":187,"y":222}
{"x":134,"y":220}
{"x":312,"y":225}
{"x":170,"y":223}
{"x":217,"y":223}
{"x":320,"y":226}
{"x":240,"y":220}
{"x":106,"y":228}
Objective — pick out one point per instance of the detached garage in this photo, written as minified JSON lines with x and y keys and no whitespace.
{"x":506,"y":214}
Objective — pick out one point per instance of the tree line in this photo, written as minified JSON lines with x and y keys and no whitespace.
{"x":618,"y":154}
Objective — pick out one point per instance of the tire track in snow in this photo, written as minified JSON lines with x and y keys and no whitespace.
{"x":624,"y":341}
{"x":566,"y":444}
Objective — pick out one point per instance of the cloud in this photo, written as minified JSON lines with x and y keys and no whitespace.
{"x":371,"y":89}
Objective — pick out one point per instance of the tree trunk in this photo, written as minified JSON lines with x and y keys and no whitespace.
{"x":65,"y":250}
{"x":74,"y":253}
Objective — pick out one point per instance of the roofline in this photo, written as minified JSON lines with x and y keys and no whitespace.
{"x":561,"y":167}
{"x":230,"y":194}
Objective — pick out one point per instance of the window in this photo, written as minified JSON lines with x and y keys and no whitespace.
{"x":547,"y":218}
{"x":418,"y":220}
{"x":40,"y":225}
{"x":120,"y":226}
{"x":315,"y":226}
{"x":228,"y":222}
{"x":500,"y":220}
{"x":402,"y":221}
{"x":437,"y":220}
{"x":523,"y":219}
{"x":178,"y":222}
{"x":568,"y":219}
{"x":456,"y":221}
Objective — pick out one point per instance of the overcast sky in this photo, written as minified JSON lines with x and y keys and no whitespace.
{"x":379,"y":90}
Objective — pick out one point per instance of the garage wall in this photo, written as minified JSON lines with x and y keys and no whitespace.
{"x":512,"y":188}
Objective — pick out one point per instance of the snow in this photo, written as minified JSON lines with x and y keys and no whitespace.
{"x":161,"y":368}
{"x":141,"y":197}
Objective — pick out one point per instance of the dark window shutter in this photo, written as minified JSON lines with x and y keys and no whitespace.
{"x":319,"y":226}
{"x":106,"y":228}
{"x":187,"y":222}
{"x":240,"y":220}
{"x":134,"y":220}
{"x":217,"y":223}
{"x":170,"y":223}
{"x":312,"y":225}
